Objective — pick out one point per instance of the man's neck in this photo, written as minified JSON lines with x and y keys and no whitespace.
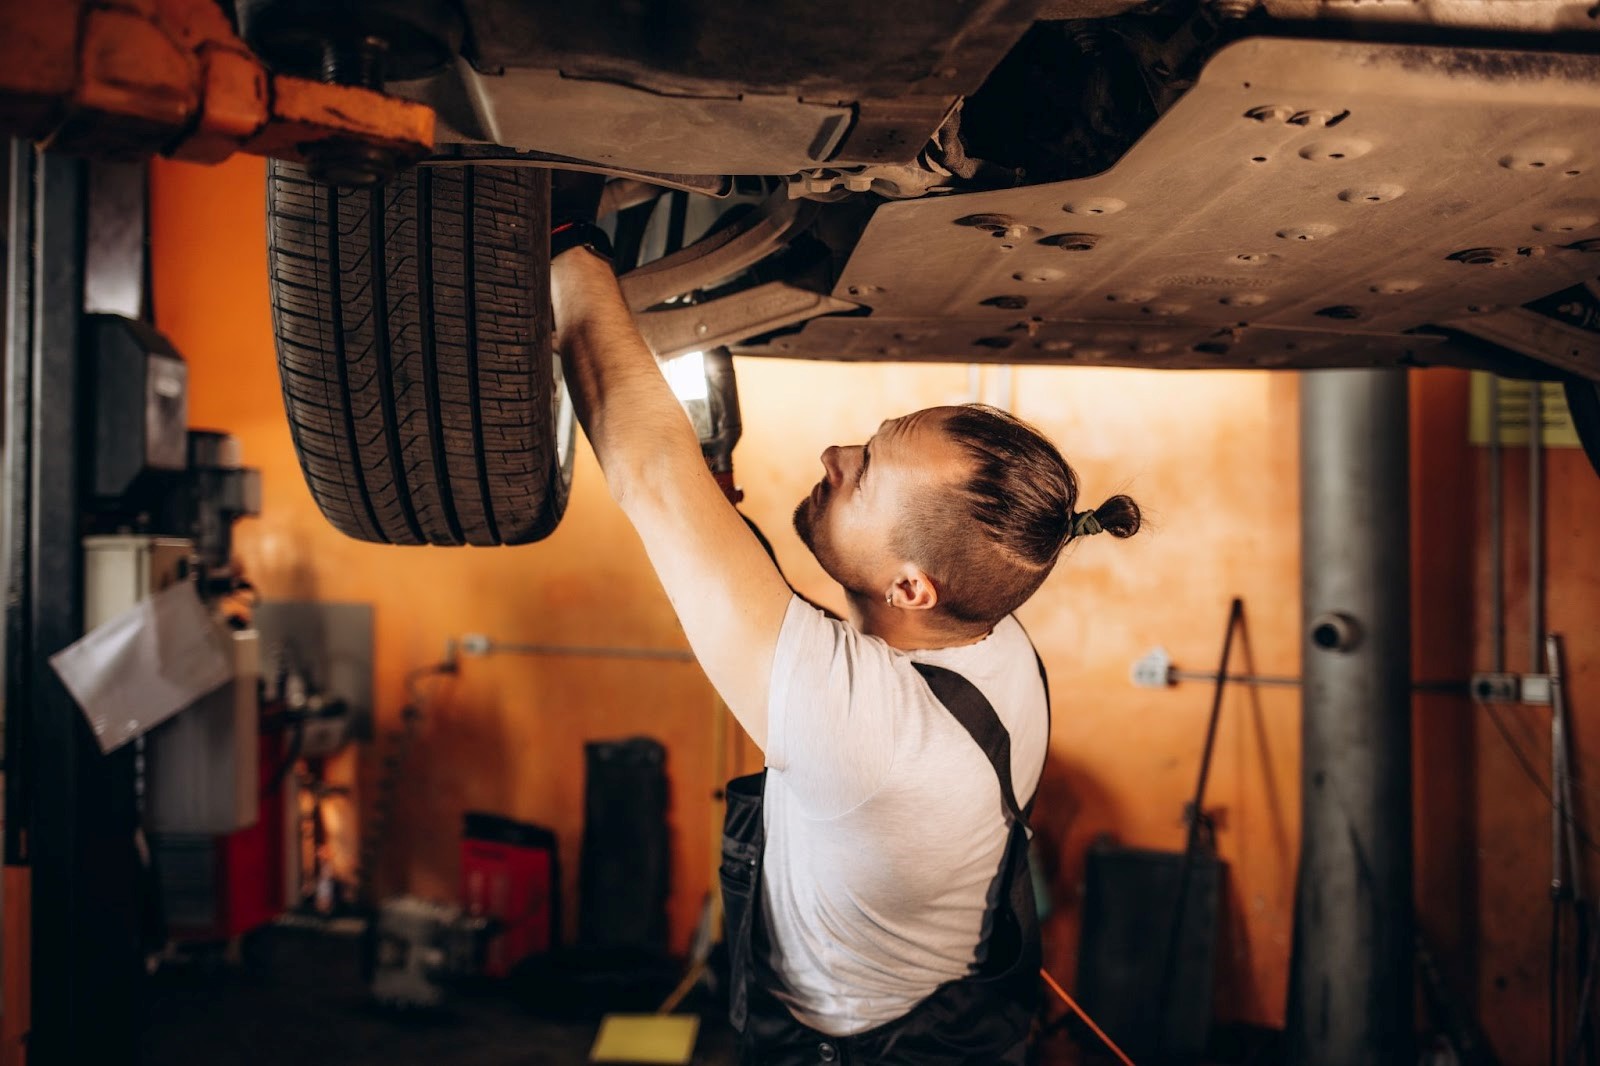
{"x":902,"y":629}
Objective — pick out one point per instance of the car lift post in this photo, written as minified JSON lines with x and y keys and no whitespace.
{"x":69,"y":813}
{"x":1350,"y":985}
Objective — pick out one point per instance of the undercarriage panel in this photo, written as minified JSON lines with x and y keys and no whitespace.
{"x":1307,"y":203}
{"x":709,"y":87}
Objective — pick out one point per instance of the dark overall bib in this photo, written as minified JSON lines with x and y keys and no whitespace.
{"x":980,"y":1019}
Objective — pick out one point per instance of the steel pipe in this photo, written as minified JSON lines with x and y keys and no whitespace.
{"x":1351,"y":998}
{"x":1535,"y":526}
{"x":1497,"y":583}
{"x":576,"y":651}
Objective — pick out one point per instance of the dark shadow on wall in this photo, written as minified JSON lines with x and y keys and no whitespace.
{"x":1072,"y":809}
{"x":459,"y":760}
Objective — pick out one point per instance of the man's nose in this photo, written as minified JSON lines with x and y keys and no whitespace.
{"x":830,"y":463}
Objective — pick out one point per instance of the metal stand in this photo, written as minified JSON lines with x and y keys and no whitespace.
{"x":1201,"y":834}
{"x":1566,"y":884}
{"x":1351,"y":983}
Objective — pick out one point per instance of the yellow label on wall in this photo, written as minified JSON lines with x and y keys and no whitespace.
{"x":1556,"y":421}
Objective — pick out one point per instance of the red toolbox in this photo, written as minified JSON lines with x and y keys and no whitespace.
{"x":509,"y":871}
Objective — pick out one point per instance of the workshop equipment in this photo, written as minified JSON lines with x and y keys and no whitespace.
{"x":1120,"y":961}
{"x":148,"y":472}
{"x":1201,"y":837}
{"x":1150,"y":983}
{"x":620,"y":960}
{"x":417,"y":947}
{"x":317,"y":701}
{"x":714,"y":410}
{"x":202,"y":763}
{"x":510,"y":872}
{"x":163,"y":509}
{"x":312,"y":726}
{"x":623,"y":877}
{"x":140,"y":409}
{"x":203,"y":770}
{"x":1566,"y":887}
{"x":161,"y":501}
{"x":666,"y":1037}
{"x":129,"y":80}
{"x":216,"y":887}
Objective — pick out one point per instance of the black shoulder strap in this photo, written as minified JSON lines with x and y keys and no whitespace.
{"x":972,"y":709}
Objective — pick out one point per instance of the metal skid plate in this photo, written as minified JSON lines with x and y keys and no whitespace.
{"x":1519,"y":16}
{"x":618,"y":125}
{"x":713,"y":87}
{"x":1306,"y":204}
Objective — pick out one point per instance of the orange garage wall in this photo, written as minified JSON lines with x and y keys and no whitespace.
{"x":1483,"y":826}
{"x":1213,"y":456}
{"x":1510,"y":819}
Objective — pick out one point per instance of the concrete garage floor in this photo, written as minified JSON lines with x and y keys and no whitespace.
{"x":298,"y":1000}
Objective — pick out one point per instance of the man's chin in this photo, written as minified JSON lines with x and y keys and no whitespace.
{"x":803,"y":524}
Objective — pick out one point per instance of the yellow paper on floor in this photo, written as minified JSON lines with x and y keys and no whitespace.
{"x":646,"y":1038}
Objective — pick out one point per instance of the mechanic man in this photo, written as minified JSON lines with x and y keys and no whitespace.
{"x":894,"y":918}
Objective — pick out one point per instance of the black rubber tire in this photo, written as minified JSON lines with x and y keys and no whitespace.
{"x":414,"y":348}
{"x":1583,"y":400}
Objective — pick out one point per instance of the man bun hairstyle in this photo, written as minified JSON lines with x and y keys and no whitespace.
{"x":1120,"y":516}
{"x":990,"y":543}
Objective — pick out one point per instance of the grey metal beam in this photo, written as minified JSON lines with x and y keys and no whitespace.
{"x":1351,"y":975}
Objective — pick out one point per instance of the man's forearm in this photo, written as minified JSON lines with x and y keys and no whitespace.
{"x":638,"y":430}
{"x":725,"y":590}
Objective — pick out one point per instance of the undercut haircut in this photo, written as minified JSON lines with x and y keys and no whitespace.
{"x":989,"y":542}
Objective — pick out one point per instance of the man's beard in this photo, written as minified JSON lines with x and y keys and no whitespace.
{"x":805,"y":524}
{"x":808,"y":515}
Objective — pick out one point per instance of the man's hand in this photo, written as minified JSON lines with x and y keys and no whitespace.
{"x":574,"y":203}
{"x":574,"y":196}
{"x":727,"y":593}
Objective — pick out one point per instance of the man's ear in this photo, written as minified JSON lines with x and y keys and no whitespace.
{"x":913,"y":590}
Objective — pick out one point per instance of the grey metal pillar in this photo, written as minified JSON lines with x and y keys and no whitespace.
{"x":1351,"y":976}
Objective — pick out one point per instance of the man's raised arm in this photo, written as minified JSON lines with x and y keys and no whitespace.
{"x":727,"y":593}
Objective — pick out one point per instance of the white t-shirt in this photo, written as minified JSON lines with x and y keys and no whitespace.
{"x":884,"y":822}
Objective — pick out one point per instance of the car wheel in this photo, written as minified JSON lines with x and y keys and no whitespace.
{"x":1583,"y":400}
{"x":414,"y":348}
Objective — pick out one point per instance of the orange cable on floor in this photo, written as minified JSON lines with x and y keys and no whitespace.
{"x":1080,"y":1012}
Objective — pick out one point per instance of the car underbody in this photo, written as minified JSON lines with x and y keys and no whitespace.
{"x":1279,"y":184}
{"x":1290,"y":184}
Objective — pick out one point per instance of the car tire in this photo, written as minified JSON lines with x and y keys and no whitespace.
{"x":414,"y":348}
{"x":1583,"y":400}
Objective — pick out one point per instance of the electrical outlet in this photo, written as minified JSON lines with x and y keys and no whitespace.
{"x":1153,"y":669}
{"x":1496,"y":688}
{"x":1536,"y":689}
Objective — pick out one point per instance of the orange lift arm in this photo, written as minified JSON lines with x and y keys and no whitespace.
{"x":126,"y":79}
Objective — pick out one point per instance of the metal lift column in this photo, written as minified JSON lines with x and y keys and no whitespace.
{"x":1351,"y":979}
{"x":69,"y":810}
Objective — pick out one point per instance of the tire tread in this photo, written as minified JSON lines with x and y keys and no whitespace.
{"x":413,"y":337}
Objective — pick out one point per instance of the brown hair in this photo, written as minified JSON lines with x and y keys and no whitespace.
{"x":1020,"y":495}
